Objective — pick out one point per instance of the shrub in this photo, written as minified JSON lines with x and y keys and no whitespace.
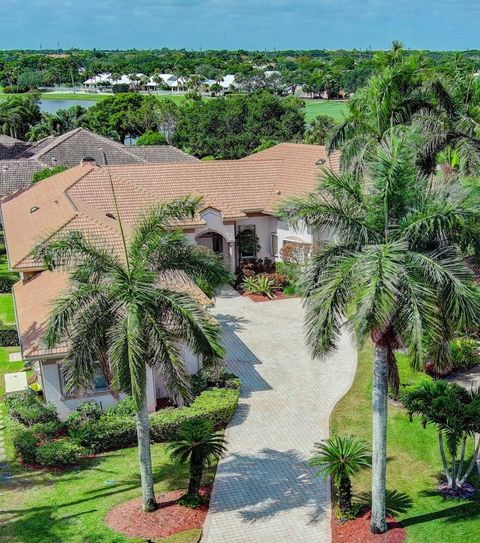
{"x":123,"y":408}
{"x":259,"y":284}
{"x":25,"y":443}
{"x":86,"y":411}
{"x":8,"y":335}
{"x":207,"y":378}
{"x":108,"y":433}
{"x":27,"y":408}
{"x":15,"y":89}
{"x":279,"y":280}
{"x":59,"y":453}
{"x":465,"y":353}
{"x":47,"y":172}
{"x":7,"y":280}
{"x":152,"y":138}
{"x":47,"y":430}
{"x":216,"y":404}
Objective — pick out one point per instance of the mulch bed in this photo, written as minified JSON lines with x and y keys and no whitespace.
{"x":358,"y":531}
{"x":169,"y":518}
{"x":262,"y":298}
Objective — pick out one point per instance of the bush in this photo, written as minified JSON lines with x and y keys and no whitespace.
{"x":85,"y":412}
{"x":207,"y":378}
{"x":59,"y":453}
{"x":47,"y":430}
{"x":27,"y":408}
{"x":25,"y":443}
{"x":7,"y":280}
{"x":151,"y":138}
{"x":465,"y":353}
{"x":47,"y":172}
{"x":108,"y":433}
{"x":119,"y":88}
{"x":217,"y":404}
{"x":123,"y":408}
{"x":259,"y":284}
{"x":15,"y":89}
{"x":8,"y":335}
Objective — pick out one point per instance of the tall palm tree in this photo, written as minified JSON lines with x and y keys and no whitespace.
{"x":120,"y":310}
{"x":198,"y":444}
{"x":394,"y":270}
{"x":341,"y":457}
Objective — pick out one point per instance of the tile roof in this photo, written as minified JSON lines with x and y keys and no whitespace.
{"x":82,"y":195}
{"x":34,"y":301}
{"x":20,"y":160}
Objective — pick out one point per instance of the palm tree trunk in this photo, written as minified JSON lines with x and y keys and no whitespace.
{"x":444,"y":459}
{"x":378,"y":524}
{"x":146,"y":474}
{"x":196,"y":472}
{"x":345,"y":493}
{"x":471,"y":466}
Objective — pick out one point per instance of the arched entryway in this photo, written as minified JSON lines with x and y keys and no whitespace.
{"x":216,"y":243}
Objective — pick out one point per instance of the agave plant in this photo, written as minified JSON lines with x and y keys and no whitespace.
{"x":259,"y":284}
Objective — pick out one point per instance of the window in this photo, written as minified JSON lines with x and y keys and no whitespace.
{"x":274,"y":244}
{"x":247,"y":241}
{"x":99,"y":383}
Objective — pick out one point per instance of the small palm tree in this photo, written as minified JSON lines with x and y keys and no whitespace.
{"x":198,"y":444}
{"x":455,"y":413}
{"x":123,"y":311}
{"x":395,"y":268}
{"x":341,"y":457}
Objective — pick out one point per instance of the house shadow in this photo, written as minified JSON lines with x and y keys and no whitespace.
{"x":262,"y":486}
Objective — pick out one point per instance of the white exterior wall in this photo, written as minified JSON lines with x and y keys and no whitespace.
{"x":52,"y":389}
{"x":264,"y":226}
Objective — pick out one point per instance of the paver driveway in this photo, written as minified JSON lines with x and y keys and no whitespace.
{"x":264,"y":490}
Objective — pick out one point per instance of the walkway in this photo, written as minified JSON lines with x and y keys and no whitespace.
{"x":264,"y":490}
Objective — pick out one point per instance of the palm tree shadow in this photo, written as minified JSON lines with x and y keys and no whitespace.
{"x":258,"y":487}
{"x":396,"y":502}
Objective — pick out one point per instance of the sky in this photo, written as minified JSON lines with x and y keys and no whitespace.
{"x":239,"y":24}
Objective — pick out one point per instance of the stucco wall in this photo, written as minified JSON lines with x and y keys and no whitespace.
{"x":264,"y":226}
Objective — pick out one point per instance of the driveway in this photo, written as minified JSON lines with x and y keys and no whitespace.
{"x":264,"y":491}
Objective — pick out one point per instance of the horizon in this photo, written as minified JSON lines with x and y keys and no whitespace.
{"x":227,"y":25}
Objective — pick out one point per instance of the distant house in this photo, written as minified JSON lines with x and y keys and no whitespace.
{"x":239,"y":199}
{"x":19,"y":160}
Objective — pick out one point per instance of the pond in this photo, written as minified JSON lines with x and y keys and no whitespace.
{"x":52,"y":106}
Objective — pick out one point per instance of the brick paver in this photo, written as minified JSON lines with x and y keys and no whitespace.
{"x":264,"y":491}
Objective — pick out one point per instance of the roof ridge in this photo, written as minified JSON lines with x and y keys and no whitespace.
{"x":56,"y":142}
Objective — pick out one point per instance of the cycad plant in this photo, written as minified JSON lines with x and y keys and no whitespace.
{"x":198,"y":445}
{"x":394,"y":270}
{"x":341,"y":457}
{"x":123,"y":311}
{"x":455,"y":413}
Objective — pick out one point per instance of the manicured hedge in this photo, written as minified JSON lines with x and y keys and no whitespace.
{"x":59,"y":453}
{"x":8,"y":335}
{"x":28,"y":409}
{"x":7,"y":280}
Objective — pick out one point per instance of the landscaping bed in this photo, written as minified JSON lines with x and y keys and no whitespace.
{"x":168,"y":519}
{"x":358,"y":531}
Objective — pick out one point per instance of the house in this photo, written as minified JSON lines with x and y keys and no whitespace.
{"x":19,"y":160}
{"x":239,"y":197}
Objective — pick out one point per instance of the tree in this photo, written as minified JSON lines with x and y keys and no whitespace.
{"x":341,"y":458}
{"x":151,"y":138}
{"x":318,"y":132}
{"x":47,"y":172}
{"x":395,"y":269}
{"x":198,"y":444}
{"x":120,"y":310}
{"x":455,"y":413}
{"x":18,"y":114}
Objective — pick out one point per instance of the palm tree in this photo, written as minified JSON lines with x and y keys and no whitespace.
{"x":394,"y":269}
{"x":341,"y":458}
{"x":198,"y":444}
{"x":122,"y":311}
{"x":455,"y":413}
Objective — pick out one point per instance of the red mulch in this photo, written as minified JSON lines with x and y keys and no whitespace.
{"x":262,"y":298}
{"x":358,"y":531}
{"x":168,"y":519}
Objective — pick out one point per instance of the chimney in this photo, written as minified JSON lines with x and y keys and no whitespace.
{"x":88,"y":161}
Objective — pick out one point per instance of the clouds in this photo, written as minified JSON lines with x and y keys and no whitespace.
{"x":249,"y":24}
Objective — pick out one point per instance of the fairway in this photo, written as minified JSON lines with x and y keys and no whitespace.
{"x":335,"y":108}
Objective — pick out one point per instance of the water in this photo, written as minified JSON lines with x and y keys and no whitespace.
{"x":52,"y":106}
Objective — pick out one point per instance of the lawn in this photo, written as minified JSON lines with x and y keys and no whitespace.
{"x":69,"y":507}
{"x":335,"y":108}
{"x":7,"y":312}
{"x":413,"y":462}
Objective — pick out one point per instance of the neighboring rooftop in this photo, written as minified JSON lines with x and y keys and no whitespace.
{"x":20,"y":160}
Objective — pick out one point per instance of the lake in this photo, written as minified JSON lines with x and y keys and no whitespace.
{"x":52,"y":106}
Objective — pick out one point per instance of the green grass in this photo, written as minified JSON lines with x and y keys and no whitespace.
{"x":335,"y":108}
{"x":413,"y":462}
{"x":7,"y":312}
